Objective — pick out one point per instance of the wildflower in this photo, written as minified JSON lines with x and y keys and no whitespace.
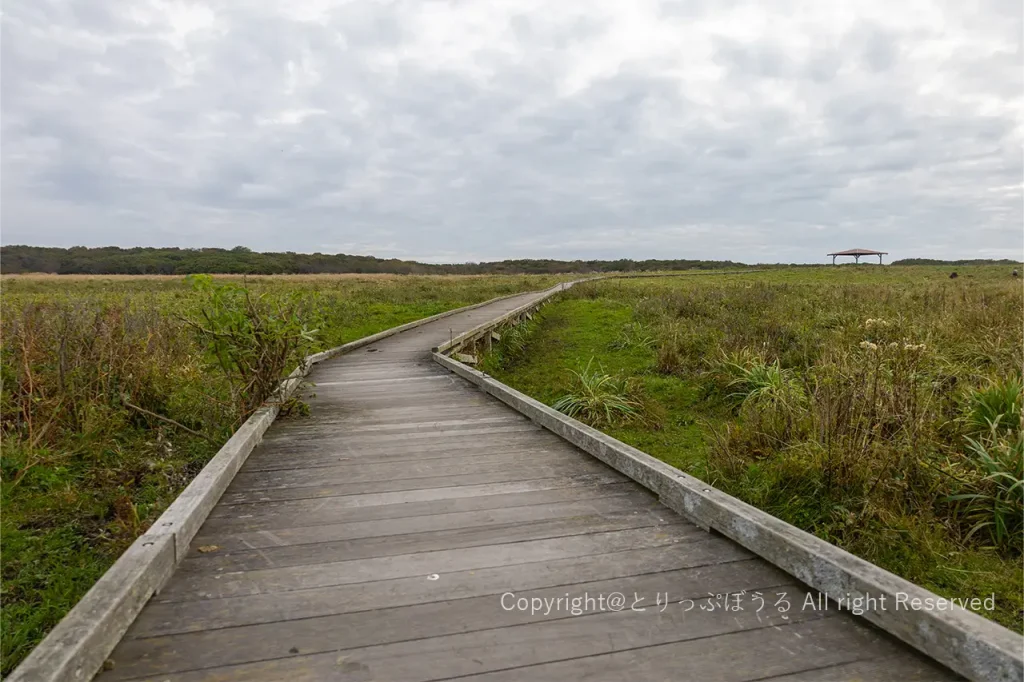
{"x":867,"y":345}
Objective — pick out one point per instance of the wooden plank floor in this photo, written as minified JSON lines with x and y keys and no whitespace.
{"x":374,"y":541}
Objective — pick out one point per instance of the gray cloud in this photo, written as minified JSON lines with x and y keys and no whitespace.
{"x":472,"y":131}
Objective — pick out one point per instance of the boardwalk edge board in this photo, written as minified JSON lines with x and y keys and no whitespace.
{"x":973,"y":646}
{"x":78,"y":646}
{"x":483,"y":331}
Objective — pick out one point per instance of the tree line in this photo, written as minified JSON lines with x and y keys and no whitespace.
{"x":112,"y":260}
{"x":970,"y":261}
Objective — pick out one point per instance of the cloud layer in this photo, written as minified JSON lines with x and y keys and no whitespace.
{"x":453,"y":131}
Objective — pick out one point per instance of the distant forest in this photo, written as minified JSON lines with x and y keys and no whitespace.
{"x":975,"y":261}
{"x":112,"y":260}
{"x":240,"y":260}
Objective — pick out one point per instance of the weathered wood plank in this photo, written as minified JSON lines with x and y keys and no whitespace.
{"x":486,"y":636}
{"x":384,"y":439}
{"x":906,"y":666}
{"x":315,"y":511}
{"x":388,"y":380}
{"x":398,"y":415}
{"x":422,"y":495}
{"x":190,"y":585}
{"x":297,"y":454}
{"x":407,"y":426}
{"x":354,"y":472}
{"x":418,"y":524}
{"x":437,"y":463}
{"x":706,"y":557}
{"x":446,"y":425}
{"x":470,"y":451}
{"x":519,"y":474}
{"x":325,"y":550}
{"x":746,"y":655}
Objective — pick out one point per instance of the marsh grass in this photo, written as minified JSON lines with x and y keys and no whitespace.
{"x":878,"y":408}
{"x":634,"y":335}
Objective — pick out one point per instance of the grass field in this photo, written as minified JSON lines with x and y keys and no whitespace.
{"x":878,"y":408}
{"x":117,"y":390}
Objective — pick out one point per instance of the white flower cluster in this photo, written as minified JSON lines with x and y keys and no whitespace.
{"x":875,"y":322}
{"x":867,"y":345}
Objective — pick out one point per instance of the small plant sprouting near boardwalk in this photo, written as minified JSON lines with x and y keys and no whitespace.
{"x":600,"y":399}
{"x":253,"y":340}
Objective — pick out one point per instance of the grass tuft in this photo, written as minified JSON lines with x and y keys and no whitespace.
{"x":997,"y":407}
{"x":995,"y":510}
{"x":600,"y":399}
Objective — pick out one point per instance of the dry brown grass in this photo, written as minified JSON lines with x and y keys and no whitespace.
{"x":369,"y":276}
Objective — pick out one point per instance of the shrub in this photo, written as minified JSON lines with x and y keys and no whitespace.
{"x":254,"y":341}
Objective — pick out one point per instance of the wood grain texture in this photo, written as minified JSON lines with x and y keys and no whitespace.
{"x":374,"y":541}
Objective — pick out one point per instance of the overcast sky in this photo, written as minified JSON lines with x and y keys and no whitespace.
{"x":755,"y":130}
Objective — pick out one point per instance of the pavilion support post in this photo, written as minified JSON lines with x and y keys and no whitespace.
{"x":879,"y":259}
{"x":856,"y":258}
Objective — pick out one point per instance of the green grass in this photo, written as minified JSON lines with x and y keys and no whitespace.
{"x":573,"y":332}
{"x":784,"y":389}
{"x":83,"y":475}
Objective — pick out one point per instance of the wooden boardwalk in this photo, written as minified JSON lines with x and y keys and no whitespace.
{"x":379,"y":539}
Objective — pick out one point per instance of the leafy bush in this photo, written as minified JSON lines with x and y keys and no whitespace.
{"x":253,"y":340}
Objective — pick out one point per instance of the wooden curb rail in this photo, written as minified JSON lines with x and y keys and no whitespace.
{"x":973,"y":646}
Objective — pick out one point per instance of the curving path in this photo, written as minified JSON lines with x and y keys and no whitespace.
{"x":375,"y":540}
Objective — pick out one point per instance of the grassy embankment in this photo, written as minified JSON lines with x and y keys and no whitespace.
{"x":853,"y":402}
{"x":87,"y":365}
